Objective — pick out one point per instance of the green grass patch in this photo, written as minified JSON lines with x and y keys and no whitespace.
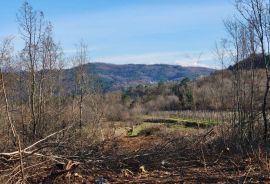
{"x":205,"y":121}
{"x":180,"y":124}
{"x":139,"y":128}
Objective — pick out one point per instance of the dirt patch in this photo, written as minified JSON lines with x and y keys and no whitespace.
{"x":133,"y":144}
{"x":149,"y":131}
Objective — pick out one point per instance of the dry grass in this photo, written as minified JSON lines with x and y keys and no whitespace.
{"x":165,"y":155}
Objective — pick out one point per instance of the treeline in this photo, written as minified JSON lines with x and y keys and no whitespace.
{"x":144,"y":99}
{"x":164,"y":96}
{"x":212,"y":93}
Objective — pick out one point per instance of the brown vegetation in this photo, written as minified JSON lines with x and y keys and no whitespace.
{"x":50,"y":133}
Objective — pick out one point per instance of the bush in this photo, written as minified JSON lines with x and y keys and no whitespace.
{"x":117,"y":112}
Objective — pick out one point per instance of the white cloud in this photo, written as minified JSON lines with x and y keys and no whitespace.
{"x":189,"y":58}
{"x":73,"y":50}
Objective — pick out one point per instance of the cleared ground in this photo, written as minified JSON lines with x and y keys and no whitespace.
{"x":156,"y":149}
{"x":166,"y":150}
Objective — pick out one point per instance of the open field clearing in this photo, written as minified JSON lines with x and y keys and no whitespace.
{"x":161,"y":151}
{"x":159,"y":158}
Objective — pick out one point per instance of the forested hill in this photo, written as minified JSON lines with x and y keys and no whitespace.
{"x":251,"y":62}
{"x":117,"y":76}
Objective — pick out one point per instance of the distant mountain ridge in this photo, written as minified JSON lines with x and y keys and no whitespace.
{"x":113,"y":76}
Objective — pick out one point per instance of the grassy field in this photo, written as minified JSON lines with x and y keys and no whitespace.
{"x":154,"y":123}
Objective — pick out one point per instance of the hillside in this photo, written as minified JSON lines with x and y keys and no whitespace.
{"x":252,"y":62}
{"x":116,"y":76}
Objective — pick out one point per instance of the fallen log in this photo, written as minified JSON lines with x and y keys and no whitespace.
{"x":27,"y":149}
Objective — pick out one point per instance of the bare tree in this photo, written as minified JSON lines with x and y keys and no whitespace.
{"x":31,"y":25}
{"x":5,"y":56}
{"x":256,"y":13}
{"x":80,"y":59}
{"x":50,"y":55}
{"x":221,"y":54}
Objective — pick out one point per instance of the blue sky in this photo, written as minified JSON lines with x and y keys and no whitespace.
{"x":132,"y":31}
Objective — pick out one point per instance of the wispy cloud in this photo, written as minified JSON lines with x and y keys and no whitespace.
{"x":126,"y":33}
{"x":190,"y":58}
{"x":138,"y":32}
{"x":74,"y":50}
